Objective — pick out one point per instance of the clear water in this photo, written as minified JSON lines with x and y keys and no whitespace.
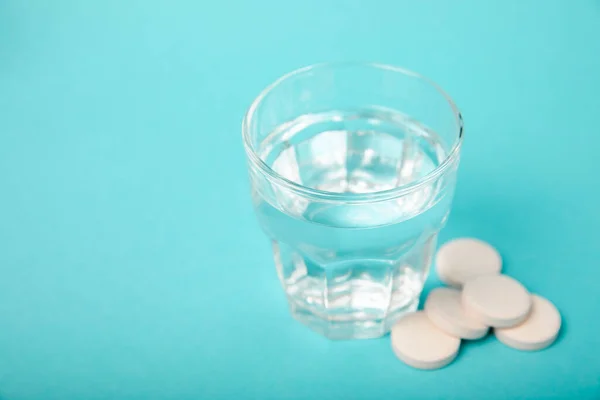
{"x":351,"y":270}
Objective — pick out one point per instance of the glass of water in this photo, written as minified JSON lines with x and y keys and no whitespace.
{"x":352,"y":169}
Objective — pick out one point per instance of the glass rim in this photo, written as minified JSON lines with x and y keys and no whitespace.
{"x":336,"y":197}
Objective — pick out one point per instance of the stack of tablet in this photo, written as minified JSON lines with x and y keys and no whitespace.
{"x":478,"y":297}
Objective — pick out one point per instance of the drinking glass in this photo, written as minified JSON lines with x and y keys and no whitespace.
{"x":352,"y":169}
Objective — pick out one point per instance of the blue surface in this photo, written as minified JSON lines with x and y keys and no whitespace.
{"x":131,"y":265}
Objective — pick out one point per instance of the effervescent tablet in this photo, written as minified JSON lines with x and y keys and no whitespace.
{"x":496,"y":300}
{"x":537,"y":332}
{"x":443,"y":307}
{"x":462,"y":259}
{"x":420,"y":344}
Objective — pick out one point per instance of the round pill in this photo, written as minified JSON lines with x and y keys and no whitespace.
{"x":537,"y":332}
{"x":443,"y":307}
{"x":420,"y":344}
{"x":462,"y":259}
{"x":496,"y":300}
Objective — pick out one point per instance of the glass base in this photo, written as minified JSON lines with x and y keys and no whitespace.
{"x":346,"y":327}
{"x":352,"y":299}
{"x":356,"y":298}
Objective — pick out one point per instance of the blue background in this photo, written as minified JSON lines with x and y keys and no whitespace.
{"x":131,"y":265}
